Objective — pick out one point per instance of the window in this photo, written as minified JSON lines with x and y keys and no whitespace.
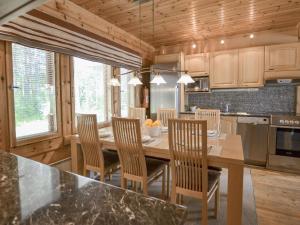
{"x":126,"y":92}
{"x":91,"y":90}
{"x":34,"y":94}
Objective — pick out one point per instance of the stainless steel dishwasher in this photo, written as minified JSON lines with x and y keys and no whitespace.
{"x":254,"y":132}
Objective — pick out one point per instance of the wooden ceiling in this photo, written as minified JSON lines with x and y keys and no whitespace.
{"x":178,"y":21}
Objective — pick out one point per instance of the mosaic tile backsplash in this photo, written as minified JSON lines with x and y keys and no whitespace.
{"x":263,"y":100}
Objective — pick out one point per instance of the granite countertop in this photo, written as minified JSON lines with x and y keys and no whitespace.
{"x":34,"y":193}
{"x":237,"y":114}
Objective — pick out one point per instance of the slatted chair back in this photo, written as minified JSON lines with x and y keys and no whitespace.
{"x":137,"y":113}
{"x":163,"y":115}
{"x":188,"y":148}
{"x":127,"y":134}
{"x":212,"y":116}
{"x":89,"y":139}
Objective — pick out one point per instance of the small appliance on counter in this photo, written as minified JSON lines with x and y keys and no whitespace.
{"x":201,"y":85}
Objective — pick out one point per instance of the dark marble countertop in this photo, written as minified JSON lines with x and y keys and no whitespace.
{"x":33,"y":193}
{"x":237,"y":114}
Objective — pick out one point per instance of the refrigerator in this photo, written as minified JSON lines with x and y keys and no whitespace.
{"x":165,"y":95}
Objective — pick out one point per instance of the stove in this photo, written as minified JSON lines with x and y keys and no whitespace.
{"x":286,"y":120}
{"x":284,"y":142}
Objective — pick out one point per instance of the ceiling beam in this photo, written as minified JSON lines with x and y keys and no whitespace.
{"x":69,"y":12}
{"x":11,"y":9}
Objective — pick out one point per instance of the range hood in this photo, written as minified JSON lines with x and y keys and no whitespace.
{"x":282,"y":82}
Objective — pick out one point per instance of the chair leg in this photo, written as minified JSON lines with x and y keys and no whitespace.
{"x":204,"y":212}
{"x":173,"y":195}
{"x":145,"y":187}
{"x":168,"y":180}
{"x":163,"y":184}
{"x":217,"y":201}
{"x":124,"y":183}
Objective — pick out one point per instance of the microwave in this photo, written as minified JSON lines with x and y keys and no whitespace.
{"x":201,"y":85}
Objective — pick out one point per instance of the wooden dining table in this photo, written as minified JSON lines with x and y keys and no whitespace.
{"x":225,"y":151}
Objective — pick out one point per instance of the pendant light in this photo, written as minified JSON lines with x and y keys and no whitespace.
{"x":114,"y":81}
{"x":135,"y":80}
{"x":158,"y":79}
{"x":185,"y":79}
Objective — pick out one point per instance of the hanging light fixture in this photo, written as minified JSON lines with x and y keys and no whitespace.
{"x":158,"y":79}
{"x":185,"y":79}
{"x":114,"y":81}
{"x":135,"y":80}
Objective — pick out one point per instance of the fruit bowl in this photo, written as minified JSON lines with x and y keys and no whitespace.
{"x":153,"y":129}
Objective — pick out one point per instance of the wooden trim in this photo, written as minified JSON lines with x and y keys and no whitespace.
{"x":4,"y":119}
{"x":66,"y":95}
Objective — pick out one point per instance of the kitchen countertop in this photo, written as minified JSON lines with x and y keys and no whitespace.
{"x":237,"y":114}
{"x":34,"y":193}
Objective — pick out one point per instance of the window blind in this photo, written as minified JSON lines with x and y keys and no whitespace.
{"x":32,"y":31}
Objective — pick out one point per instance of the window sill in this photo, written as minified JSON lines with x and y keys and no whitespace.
{"x":36,"y":138}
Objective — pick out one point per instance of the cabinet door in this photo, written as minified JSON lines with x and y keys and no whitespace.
{"x":224,"y":69}
{"x":197,"y":64}
{"x":228,"y":124}
{"x":251,"y":67}
{"x":283,"y":57}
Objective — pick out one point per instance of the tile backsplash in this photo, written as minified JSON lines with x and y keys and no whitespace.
{"x":262,"y":100}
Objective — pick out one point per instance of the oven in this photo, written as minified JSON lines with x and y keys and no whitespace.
{"x":284,"y":143}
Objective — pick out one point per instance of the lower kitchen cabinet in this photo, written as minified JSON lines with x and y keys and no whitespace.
{"x":228,"y":124}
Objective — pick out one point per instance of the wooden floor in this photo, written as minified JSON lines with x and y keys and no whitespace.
{"x":277,"y":197}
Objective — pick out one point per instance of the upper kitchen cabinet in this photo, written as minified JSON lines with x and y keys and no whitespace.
{"x":170,"y":58}
{"x":251,"y":67}
{"x":224,"y":69}
{"x":197,"y":64}
{"x":282,"y":61}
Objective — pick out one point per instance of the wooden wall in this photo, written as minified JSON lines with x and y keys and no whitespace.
{"x":44,"y":150}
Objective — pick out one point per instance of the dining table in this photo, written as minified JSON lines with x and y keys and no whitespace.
{"x":224,"y":151}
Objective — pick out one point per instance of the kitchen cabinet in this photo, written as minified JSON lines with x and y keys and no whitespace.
{"x":251,"y":67}
{"x":228,"y":124}
{"x":197,"y":64}
{"x":282,"y":61}
{"x":224,"y":69}
{"x":169,"y":58}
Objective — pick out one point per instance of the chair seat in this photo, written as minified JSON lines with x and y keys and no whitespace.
{"x":154,"y":165}
{"x":111,"y":158}
{"x":213,"y":178}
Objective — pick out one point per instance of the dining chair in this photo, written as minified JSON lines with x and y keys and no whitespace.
{"x":137,"y":113}
{"x":95,"y":158}
{"x":134,"y":165}
{"x":212,"y":116}
{"x":164,"y":114}
{"x":190,"y":174}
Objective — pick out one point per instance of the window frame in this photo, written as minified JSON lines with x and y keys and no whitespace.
{"x":101,"y":124}
{"x":16,"y":142}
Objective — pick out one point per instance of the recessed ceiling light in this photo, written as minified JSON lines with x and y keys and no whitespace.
{"x":194,"y":45}
{"x":222,"y":42}
{"x":251,"y":36}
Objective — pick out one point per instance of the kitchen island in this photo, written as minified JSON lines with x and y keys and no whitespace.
{"x":34,"y":193}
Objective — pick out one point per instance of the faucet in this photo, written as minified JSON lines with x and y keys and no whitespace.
{"x":227,"y":107}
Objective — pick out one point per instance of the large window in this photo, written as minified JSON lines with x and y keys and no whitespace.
{"x":34,"y":91}
{"x":127,"y":93}
{"x":91,"y":90}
